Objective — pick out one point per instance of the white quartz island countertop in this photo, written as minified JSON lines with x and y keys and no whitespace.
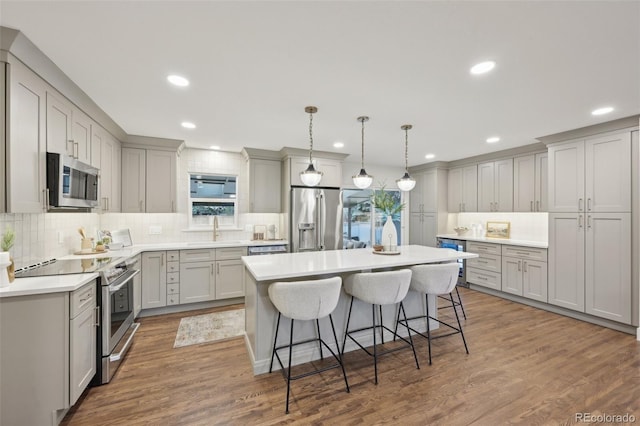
{"x":294,"y":265}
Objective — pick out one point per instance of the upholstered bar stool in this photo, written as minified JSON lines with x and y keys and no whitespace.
{"x":436,"y":280}
{"x":304,"y":301}
{"x":379,"y":288}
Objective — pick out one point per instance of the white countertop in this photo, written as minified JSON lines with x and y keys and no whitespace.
{"x":293,"y":265}
{"x":511,"y":242}
{"x":49,"y":284}
{"x":62,"y":283}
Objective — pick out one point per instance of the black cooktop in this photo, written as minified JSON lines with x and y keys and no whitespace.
{"x":63,"y":267}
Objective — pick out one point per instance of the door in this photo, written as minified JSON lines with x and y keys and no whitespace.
{"x":82,"y":353}
{"x":534,"y":280}
{"x":608,"y":263}
{"x":503,"y":181}
{"x":229,"y":279}
{"x":415,"y":229}
{"x":512,"y":275}
{"x":524,"y":183}
{"x":566,"y":260}
{"x":470,"y":189}
{"x":59,"y":137}
{"x":197,"y":282}
{"x":134,"y":180}
{"x":161,"y":182}
{"x":454,"y":191}
{"x":154,"y":279}
{"x":542,"y":182}
{"x":566,"y":177}
{"x":81,"y":132}
{"x":486,"y":187}
{"x":608,"y":173}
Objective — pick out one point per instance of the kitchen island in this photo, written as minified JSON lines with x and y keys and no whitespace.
{"x":261,"y":315}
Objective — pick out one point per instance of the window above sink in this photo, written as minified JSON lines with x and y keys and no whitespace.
{"x":212,"y":195}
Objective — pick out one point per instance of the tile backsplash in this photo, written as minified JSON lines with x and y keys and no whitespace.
{"x":524,"y":226}
{"x":46,"y":236}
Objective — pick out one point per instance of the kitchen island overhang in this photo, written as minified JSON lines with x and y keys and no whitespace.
{"x":261,"y":315}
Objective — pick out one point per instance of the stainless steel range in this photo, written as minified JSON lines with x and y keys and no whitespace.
{"x":116,"y":326}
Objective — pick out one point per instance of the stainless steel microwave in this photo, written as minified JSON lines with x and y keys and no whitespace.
{"x":71,"y":183}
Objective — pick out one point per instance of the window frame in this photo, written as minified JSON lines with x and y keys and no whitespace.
{"x":191,"y":200}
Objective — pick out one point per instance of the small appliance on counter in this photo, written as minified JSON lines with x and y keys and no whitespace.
{"x":259,"y":232}
{"x":272,"y":232}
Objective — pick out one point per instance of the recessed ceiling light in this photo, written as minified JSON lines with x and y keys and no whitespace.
{"x":188,"y":125}
{"x":338,"y":145}
{"x":216,"y":147}
{"x":177,"y":80}
{"x":430,"y":156}
{"x":493,"y":139}
{"x":602,"y":111}
{"x":482,"y":67}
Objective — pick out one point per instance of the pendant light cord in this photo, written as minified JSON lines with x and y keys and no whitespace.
{"x":406,"y":150}
{"x":310,"y":136}
{"x":362,"y":155}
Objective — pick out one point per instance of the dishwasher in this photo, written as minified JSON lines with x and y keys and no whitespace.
{"x":267,"y":249}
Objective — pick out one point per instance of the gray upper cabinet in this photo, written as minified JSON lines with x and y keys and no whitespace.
{"x":68,"y":128}
{"x":264,"y":185}
{"x":592,"y":175}
{"x":133,"y":180}
{"x":148,"y":181}
{"x":495,"y":186}
{"x":463,"y":189}
{"x":26,"y":141}
{"x":530,"y":183}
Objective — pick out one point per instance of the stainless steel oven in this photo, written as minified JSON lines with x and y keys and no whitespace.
{"x":117,"y":326}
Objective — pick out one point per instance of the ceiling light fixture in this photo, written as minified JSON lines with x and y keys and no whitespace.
{"x":430,"y":156}
{"x":482,"y":67}
{"x":602,"y":111}
{"x":493,"y":139}
{"x":177,"y":80}
{"x":338,"y":145}
{"x":362,"y":180}
{"x":188,"y":125}
{"x":311,"y":176}
{"x":406,"y":182}
{"x":214,"y":147}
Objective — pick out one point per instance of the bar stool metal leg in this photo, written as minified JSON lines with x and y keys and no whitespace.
{"x":426,"y":297}
{"x":460,"y":303}
{"x":459,"y":326}
{"x":335,"y":337}
{"x":346,"y":333}
{"x":375,"y":352}
{"x":275,"y":339}
{"x":289,"y":368}
{"x":319,"y":338}
{"x":413,"y":348}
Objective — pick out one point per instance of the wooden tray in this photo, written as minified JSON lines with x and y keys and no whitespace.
{"x":387,"y":253}
{"x":82,"y":253}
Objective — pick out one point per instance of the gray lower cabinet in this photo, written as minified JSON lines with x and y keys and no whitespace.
{"x":198,"y":281}
{"x":524,"y":272}
{"x":485,"y":270}
{"x":154,"y":279}
{"x":590,"y":263}
{"x":229,"y":279}
{"x":48,"y":354}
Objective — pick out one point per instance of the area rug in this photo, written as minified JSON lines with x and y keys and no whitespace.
{"x":210,"y":328}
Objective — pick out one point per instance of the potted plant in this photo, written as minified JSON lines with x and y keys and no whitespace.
{"x":389,"y":206}
{"x":8,"y":238}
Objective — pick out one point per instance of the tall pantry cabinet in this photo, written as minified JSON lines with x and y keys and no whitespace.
{"x":428,"y":206}
{"x":590,"y":226}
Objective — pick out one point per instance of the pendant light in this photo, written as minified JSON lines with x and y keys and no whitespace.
{"x":311,"y":176}
{"x":406,"y":182}
{"x":362,"y":180}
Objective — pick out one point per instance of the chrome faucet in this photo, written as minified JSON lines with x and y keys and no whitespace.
{"x":216,"y":234}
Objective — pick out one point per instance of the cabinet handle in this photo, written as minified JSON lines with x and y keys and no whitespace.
{"x":218,"y":268}
{"x":76,"y":150}
{"x":162,"y":260}
{"x":525,"y":266}
{"x":532,"y":206}
{"x":579,"y":221}
{"x":589,"y":221}
{"x":519,"y":265}
{"x":589,"y":203}
{"x":211,"y":269}
{"x":97,"y":313}
{"x":579,"y":204}
{"x":538,"y":205}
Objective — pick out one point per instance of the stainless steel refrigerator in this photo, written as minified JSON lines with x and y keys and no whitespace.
{"x":315,"y":219}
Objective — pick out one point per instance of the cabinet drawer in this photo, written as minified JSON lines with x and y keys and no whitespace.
{"x":482,"y":248}
{"x":200,"y":255}
{"x":487,"y":262}
{"x":173,"y":256}
{"x":528,"y":253}
{"x":484,"y":278}
{"x":230,"y":253}
{"x":173,"y":277}
{"x":173,"y":299}
{"x":173,"y":289}
{"x":173,"y":266}
{"x":83,"y":298}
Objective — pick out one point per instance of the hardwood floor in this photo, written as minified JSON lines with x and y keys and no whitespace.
{"x":525,"y":366}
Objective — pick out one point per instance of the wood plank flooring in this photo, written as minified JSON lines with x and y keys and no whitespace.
{"x":525,"y":366}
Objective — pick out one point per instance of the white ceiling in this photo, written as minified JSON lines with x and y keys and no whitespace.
{"x":254,"y":66}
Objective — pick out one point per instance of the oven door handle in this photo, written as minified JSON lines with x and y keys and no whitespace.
{"x":113,"y":289}
{"x":125,"y":348}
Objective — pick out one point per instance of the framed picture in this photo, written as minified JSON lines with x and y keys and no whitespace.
{"x":498,"y":229}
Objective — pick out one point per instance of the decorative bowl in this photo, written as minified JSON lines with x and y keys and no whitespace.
{"x":460,"y":230}
{"x":377,"y":247}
